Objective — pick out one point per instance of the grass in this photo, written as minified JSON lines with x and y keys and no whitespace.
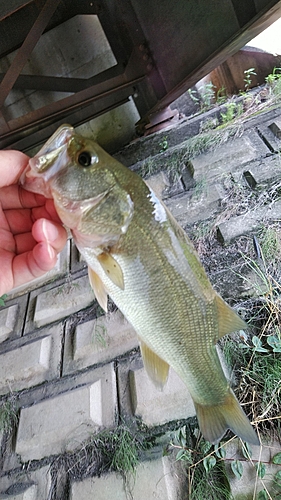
{"x":115,"y":450}
{"x":8,"y":415}
{"x":207,"y":477}
{"x":256,"y":357}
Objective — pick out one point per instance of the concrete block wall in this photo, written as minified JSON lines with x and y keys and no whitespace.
{"x":71,"y":371}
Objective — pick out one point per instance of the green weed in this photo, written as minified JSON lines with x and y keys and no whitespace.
{"x":8,"y":416}
{"x":2,"y":299}
{"x":248,"y":73}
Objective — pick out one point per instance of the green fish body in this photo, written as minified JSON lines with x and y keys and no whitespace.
{"x":139,"y":256}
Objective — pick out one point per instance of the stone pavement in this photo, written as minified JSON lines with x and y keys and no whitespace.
{"x":70,"y":371}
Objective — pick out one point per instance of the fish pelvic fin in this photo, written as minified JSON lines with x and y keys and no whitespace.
{"x":228,"y":320}
{"x":99,"y":288}
{"x":156,"y":368}
{"x":112,"y":269}
{"x":216,"y":419}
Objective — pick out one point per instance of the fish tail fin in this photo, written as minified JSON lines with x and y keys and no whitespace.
{"x":214,"y":420}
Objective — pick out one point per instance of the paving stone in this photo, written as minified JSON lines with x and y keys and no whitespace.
{"x":156,"y":479}
{"x":8,"y":319}
{"x":270,"y":133}
{"x":31,"y":361}
{"x":29,"y":494}
{"x":157,"y":407}
{"x":12,"y":317}
{"x":61,"y":268}
{"x":230,"y":156}
{"x":62,"y":423}
{"x":266,"y":171}
{"x":57,"y":303}
{"x":19,"y":485}
{"x":98,"y":341}
{"x":248,"y":222}
{"x":203,"y":204}
{"x":244,"y":488}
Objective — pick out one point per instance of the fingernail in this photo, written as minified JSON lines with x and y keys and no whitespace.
{"x":50,"y":231}
{"x":51,"y":251}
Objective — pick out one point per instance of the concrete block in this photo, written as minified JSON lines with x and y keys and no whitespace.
{"x":62,"y":423}
{"x":57,"y":303}
{"x":31,"y":361}
{"x":264,"y":172}
{"x":98,"y":341}
{"x":155,"y":479}
{"x":269,"y":132}
{"x":228,"y":157}
{"x":28,"y":494}
{"x":250,"y":483}
{"x":12,"y":317}
{"x":198,"y":205}
{"x":8,"y":318}
{"x":248,"y":222}
{"x":158,"y":407}
{"x":60,"y":270}
{"x":19,"y":485}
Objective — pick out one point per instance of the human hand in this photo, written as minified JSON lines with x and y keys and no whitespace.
{"x":31,"y":234}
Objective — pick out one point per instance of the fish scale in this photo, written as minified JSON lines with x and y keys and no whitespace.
{"x":139,"y":256}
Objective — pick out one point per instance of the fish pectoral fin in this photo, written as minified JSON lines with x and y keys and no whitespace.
{"x":216,"y":419}
{"x":228,"y":320}
{"x":112,"y":269}
{"x":156,"y":368}
{"x":99,"y":288}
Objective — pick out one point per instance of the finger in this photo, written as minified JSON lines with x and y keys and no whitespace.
{"x":51,"y":232}
{"x":30,"y":265}
{"x":20,"y":221}
{"x":24,"y":242}
{"x":13,"y":164}
{"x":15,"y":196}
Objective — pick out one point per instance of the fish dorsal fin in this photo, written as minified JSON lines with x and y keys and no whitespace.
{"x":112,"y":269}
{"x":99,"y":288}
{"x":228,"y":320}
{"x":156,"y":368}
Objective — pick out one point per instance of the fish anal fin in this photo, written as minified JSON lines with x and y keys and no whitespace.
{"x":112,"y":269}
{"x":156,"y":368}
{"x":228,"y":320}
{"x":215,"y":420}
{"x":99,"y":288}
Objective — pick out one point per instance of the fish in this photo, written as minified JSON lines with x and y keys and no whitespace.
{"x":140,"y":257}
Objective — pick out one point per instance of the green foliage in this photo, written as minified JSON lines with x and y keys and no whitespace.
{"x":8,"y":415}
{"x":277,"y":459}
{"x":205,"y":95}
{"x":237,"y":468}
{"x":163,"y":145}
{"x":248,"y":73}
{"x":206,"y":467}
{"x":233,"y":110}
{"x":2,"y":299}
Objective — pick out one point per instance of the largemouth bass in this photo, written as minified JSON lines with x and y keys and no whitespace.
{"x":139,"y":256}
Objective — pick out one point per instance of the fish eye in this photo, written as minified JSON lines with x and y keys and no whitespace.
{"x":85,"y":159}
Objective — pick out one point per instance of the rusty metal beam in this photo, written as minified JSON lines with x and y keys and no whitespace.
{"x":133,"y":74}
{"x":62,"y":84}
{"x":8,"y":8}
{"x":26,"y":48}
{"x":36,"y":134}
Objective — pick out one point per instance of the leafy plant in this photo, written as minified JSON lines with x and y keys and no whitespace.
{"x":248,"y":73}
{"x":163,"y":145}
{"x":2,"y":299}
{"x":233,"y":110}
